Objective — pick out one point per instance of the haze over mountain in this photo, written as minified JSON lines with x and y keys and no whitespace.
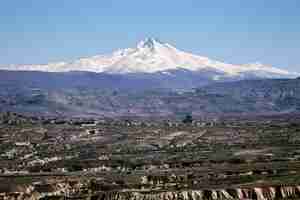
{"x":153,"y":56}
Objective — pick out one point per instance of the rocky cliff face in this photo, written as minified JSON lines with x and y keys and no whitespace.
{"x":78,"y":190}
{"x":264,"y":193}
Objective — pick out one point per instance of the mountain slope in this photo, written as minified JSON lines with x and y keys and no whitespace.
{"x":152,"y":56}
{"x":91,"y":94}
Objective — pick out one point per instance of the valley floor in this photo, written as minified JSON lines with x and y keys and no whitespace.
{"x":237,"y":158}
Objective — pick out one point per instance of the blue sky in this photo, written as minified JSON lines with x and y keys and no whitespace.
{"x":235,"y":31}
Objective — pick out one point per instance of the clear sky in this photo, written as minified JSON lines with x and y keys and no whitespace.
{"x":234,"y":31}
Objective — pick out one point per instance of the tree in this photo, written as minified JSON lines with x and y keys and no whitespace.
{"x":188,"y":119}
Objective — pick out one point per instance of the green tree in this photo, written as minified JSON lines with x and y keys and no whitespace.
{"x":187,"y":119}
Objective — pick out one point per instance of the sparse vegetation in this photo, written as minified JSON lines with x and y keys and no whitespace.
{"x":114,"y":155}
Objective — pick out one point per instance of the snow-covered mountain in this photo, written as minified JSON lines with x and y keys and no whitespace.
{"x":153,"y":56}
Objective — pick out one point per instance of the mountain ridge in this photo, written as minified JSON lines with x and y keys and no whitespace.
{"x":87,"y":93}
{"x":151,"y":56}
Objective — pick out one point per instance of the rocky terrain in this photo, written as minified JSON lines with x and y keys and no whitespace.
{"x":130,"y":158}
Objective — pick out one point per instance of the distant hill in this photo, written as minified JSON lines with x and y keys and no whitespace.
{"x":92,"y":94}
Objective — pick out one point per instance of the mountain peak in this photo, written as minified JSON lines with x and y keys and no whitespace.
{"x":149,"y":43}
{"x":150,"y":56}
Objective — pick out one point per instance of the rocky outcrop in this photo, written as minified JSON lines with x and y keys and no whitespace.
{"x":81,"y":191}
{"x":264,"y":193}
